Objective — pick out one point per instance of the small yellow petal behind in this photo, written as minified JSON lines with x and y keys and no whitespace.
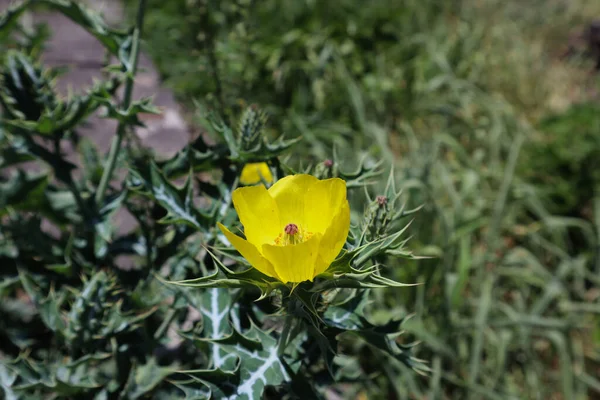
{"x":258,"y":213}
{"x":334,"y":238}
{"x":254,"y":173}
{"x":249,"y":252}
{"x":294,"y":263}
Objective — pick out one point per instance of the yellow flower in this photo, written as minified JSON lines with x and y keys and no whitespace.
{"x":253,"y":173}
{"x":295,"y":229}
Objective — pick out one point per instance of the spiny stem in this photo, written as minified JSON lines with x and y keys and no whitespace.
{"x":115,"y":146}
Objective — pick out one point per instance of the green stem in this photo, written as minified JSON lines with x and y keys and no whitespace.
{"x":285,"y":334}
{"x":67,"y":178}
{"x":171,"y":314}
{"x":115,"y":146}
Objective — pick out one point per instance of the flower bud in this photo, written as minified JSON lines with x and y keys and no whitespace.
{"x":325,"y":170}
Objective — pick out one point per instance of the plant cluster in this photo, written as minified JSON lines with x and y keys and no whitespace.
{"x":466,"y":99}
{"x":169,"y":309}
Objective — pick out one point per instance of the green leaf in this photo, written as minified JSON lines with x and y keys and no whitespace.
{"x":9,"y":18}
{"x":216,"y":304}
{"x":144,"y":379}
{"x":218,"y":384}
{"x":363,"y":175}
{"x":341,"y":274}
{"x":250,"y":127}
{"x":259,"y":365}
{"x":62,"y":206}
{"x":47,"y":306}
{"x":98,"y":314}
{"x":89,"y":20}
{"x":92,"y":167}
{"x":226,"y":278}
{"x":11,"y":156}
{"x":349,"y":317}
{"x":27,"y":91}
{"x":47,"y":116}
{"x":104,"y":225}
{"x":251,"y":145}
{"x":25,"y":376}
{"x":258,"y":368}
{"x":128,"y":116}
{"x":197,"y":156}
{"x":193,"y":389}
{"x":177,"y":201}
{"x":23,"y":191}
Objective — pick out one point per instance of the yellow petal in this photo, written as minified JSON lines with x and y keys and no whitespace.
{"x":258,"y":213}
{"x":323,"y":201}
{"x":334,"y":238}
{"x":294,"y":263}
{"x":254,"y":173}
{"x":289,"y":194}
{"x":249,"y":252}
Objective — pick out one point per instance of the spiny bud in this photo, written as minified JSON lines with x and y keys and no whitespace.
{"x":381,"y":200}
{"x":378,"y":216}
{"x":325,"y":169}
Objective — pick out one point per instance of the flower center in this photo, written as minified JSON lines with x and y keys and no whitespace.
{"x":292,"y":234}
{"x":291,"y":229}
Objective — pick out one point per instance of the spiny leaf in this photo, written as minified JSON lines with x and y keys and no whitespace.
{"x":23,"y":191}
{"x":341,"y":274}
{"x":48,"y":306}
{"x":145,"y":378}
{"x":23,"y":375}
{"x":196,"y":156}
{"x":83,"y":16}
{"x":226,"y":278}
{"x":10,"y":17}
{"x":27,"y":91}
{"x":349,"y":317}
{"x":218,"y":384}
{"x":250,"y":127}
{"x":104,"y":225}
{"x":130,"y":115}
{"x":216,"y":304}
{"x":258,"y":366}
{"x":177,"y":201}
{"x":363,"y":175}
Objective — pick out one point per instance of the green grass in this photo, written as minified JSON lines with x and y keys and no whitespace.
{"x":471,"y":105}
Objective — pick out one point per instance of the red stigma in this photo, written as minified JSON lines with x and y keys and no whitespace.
{"x":328,"y":163}
{"x":382,"y":200}
{"x":291,"y":229}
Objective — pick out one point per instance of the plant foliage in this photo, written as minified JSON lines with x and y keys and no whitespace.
{"x":165,"y":309}
{"x":467,"y":100}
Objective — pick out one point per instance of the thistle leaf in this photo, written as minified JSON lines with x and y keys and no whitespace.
{"x":23,"y":191}
{"x":178,"y":202}
{"x":144,"y":379}
{"x":258,"y":366}
{"x":216,"y":304}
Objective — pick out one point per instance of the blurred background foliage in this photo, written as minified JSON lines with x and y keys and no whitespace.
{"x":488,"y":112}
